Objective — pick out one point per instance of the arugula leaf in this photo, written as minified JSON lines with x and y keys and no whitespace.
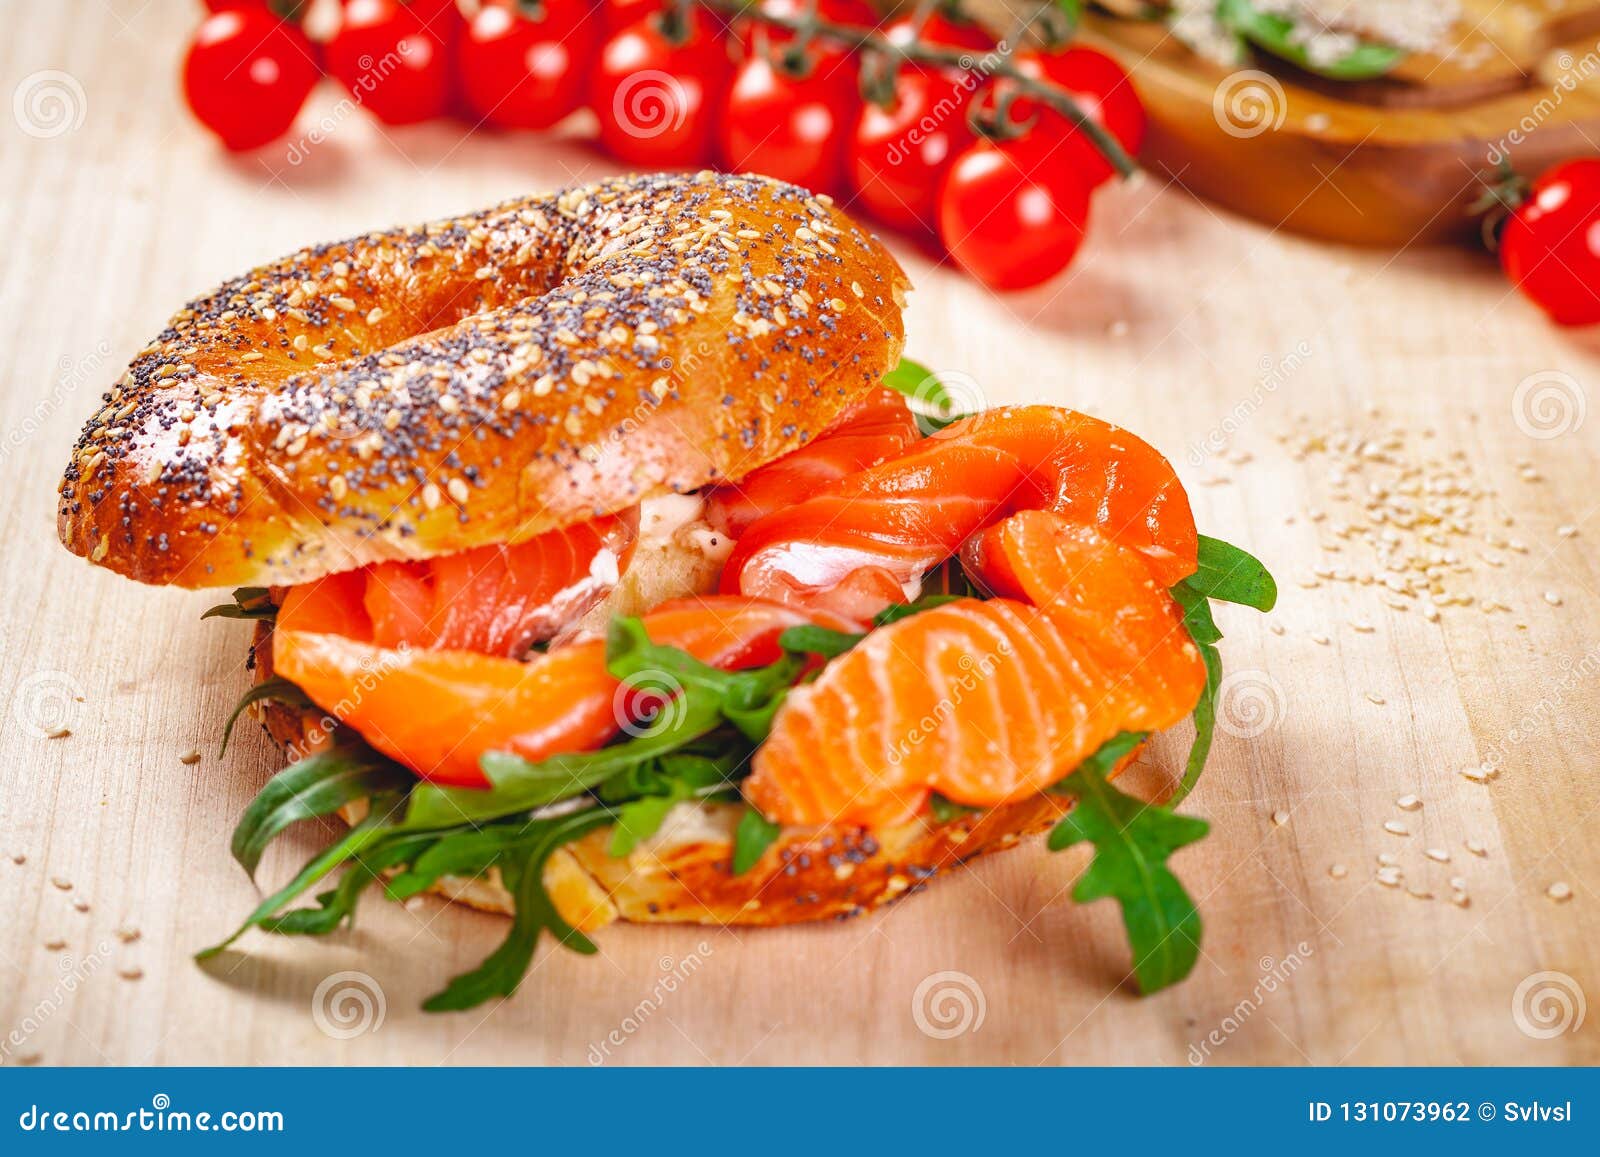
{"x":503,"y":971}
{"x":464,"y":852}
{"x":248,"y":603}
{"x":277,"y":689}
{"x":918,"y":382}
{"x":945,"y":810}
{"x":316,"y":786}
{"x":338,"y":905}
{"x":1231,"y":575}
{"x":754,"y":835}
{"x":1132,"y":841}
{"x":830,"y":644}
{"x":676,"y":778}
{"x":1278,"y":34}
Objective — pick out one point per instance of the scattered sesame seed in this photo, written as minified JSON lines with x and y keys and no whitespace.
{"x":1461,"y":899}
{"x":56,"y":944}
{"x":1320,"y":639}
{"x":1362,"y":626}
{"x":80,"y":904}
{"x":1567,"y":531}
{"x":1280,"y":817}
{"x":1338,"y":871}
{"x":1419,"y":894}
{"x":1388,"y":859}
{"x":1396,"y":828}
{"x":1476,"y":848}
{"x":61,"y":882}
{"x":189,"y":756}
{"x":18,"y":858}
{"x":1438,"y":855}
{"x":131,"y":972}
{"x":1388,"y":877}
{"x":1552,"y":598}
{"x":1476,"y":774}
{"x":1560,"y":891}
{"x":127,"y":934}
{"x":1408,"y":803}
{"x":1374,"y":697}
{"x":1275,"y":628}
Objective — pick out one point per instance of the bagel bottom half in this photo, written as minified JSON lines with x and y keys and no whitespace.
{"x":683,"y":873}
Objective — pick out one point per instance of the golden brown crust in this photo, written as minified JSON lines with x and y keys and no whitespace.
{"x":684,"y":874}
{"x":483,"y":379}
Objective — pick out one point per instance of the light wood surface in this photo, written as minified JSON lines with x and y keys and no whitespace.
{"x":1170,"y":323}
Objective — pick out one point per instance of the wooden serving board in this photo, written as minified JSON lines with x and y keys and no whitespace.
{"x":1209,"y":335}
{"x":1383,"y":163}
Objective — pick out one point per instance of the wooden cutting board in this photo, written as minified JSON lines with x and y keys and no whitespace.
{"x":1210,"y":336}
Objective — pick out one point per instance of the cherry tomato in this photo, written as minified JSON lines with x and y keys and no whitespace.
{"x":825,"y":53}
{"x":620,"y":14}
{"x":656,"y":101}
{"x":945,"y":32}
{"x":392,"y":64}
{"x":1104,"y":93}
{"x":789,"y":127}
{"x":898,"y":155}
{"x":246,"y":76}
{"x":521,"y":73}
{"x":1010,"y":216}
{"x":1550,"y":246}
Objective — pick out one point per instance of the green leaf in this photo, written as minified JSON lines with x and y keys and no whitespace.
{"x":348,"y":846}
{"x":503,"y":971}
{"x":754,"y":835}
{"x":918,"y":382}
{"x":1196,"y":613}
{"x":945,"y":810}
{"x":1205,"y":725}
{"x":1132,"y":841}
{"x":248,"y":603}
{"x":465,"y":852}
{"x":811,"y":639}
{"x":1232,"y":575}
{"x":1277,"y":34}
{"x":338,"y":905}
{"x":316,"y":786}
{"x":278,"y":690}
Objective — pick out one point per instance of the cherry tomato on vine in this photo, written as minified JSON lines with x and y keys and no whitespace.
{"x":789,"y":127}
{"x":620,"y":14}
{"x":657,"y":101}
{"x":392,"y":64}
{"x":521,"y":73}
{"x":1010,"y":216}
{"x":945,"y":32}
{"x":247,"y":74}
{"x":1104,"y":93}
{"x":1550,"y":246}
{"x":897,"y":156}
{"x":825,"y":53}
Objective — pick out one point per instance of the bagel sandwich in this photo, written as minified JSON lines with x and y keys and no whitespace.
{"x":608,"y":562}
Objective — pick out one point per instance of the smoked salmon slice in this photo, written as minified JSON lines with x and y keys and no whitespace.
{"x":985,"y":702}
{"x":876,"y":428}
{"x":496,"y":600}
{"x":881,"y":528}
{"x":437,"y":711}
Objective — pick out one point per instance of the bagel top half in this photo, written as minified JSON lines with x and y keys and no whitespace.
{"x":481,"y":380}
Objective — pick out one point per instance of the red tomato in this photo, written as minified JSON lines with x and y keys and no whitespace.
{"x":1550,"y":246}
{"x":856,"y":13}
{"x":521,"y":73}
{"x":791,"y":128}
{"x":945,"y":32}
{"x":247,"y":74}
{"x":656,"y":101}
{"x":1010,"y":216}
{"x":620,"y":14}
{"x":1104,"y":93}
{"x":897,"y":156}
{"x":392,"y":64}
